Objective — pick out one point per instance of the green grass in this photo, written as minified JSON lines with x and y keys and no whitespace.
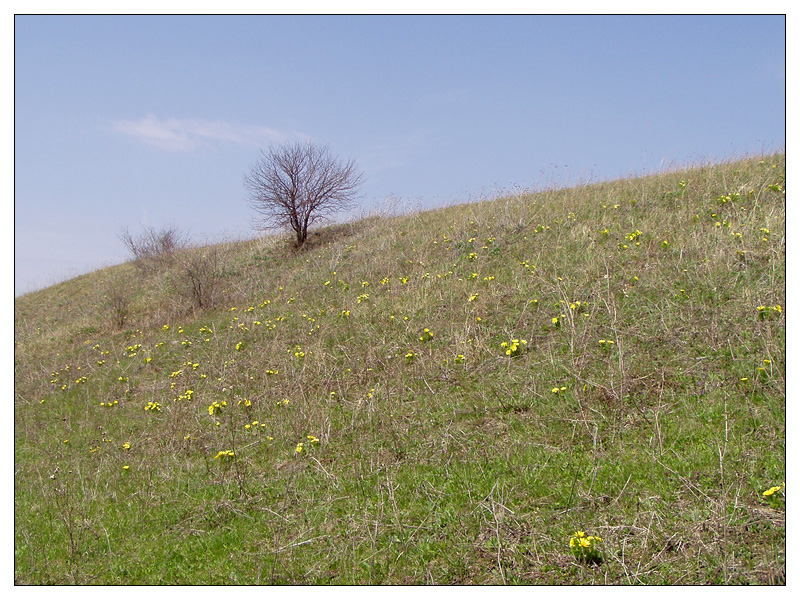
{"x":440,"y":460}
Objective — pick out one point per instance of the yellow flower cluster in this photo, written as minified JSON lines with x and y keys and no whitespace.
{"x":215,"y":407}
{"x":769,"y":312}
{"x":301,"y":446}
{"x":774,"y":490}
{"x":725,"y":198}
{"x":578,"y":306}
{"x":586,"y":547}
{"x":515,"y":347}
{"x":187,"y":395}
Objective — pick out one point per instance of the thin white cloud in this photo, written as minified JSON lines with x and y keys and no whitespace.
{"x":397,"y":151}
{"x":184,"y":135}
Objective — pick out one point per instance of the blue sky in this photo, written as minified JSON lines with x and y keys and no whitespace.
{"x":130,"y":121}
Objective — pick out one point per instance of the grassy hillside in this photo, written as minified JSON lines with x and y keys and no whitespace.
{"x":445,"y":397}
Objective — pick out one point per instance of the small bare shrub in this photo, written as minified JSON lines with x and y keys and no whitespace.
{"x":199,"y":276}
{"x":153,"y":250}
{"x":119,"y":302}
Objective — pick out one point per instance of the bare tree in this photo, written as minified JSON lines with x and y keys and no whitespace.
{"x":296,"y":185}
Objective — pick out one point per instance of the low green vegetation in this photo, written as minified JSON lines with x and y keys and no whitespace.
{"x":575,"y":386}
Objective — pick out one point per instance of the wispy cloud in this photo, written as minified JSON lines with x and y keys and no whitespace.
{"x":184,"y":135}
{"x":397,"y":151}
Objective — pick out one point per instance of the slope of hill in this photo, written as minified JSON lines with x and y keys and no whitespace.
{"x":443,"y":397}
